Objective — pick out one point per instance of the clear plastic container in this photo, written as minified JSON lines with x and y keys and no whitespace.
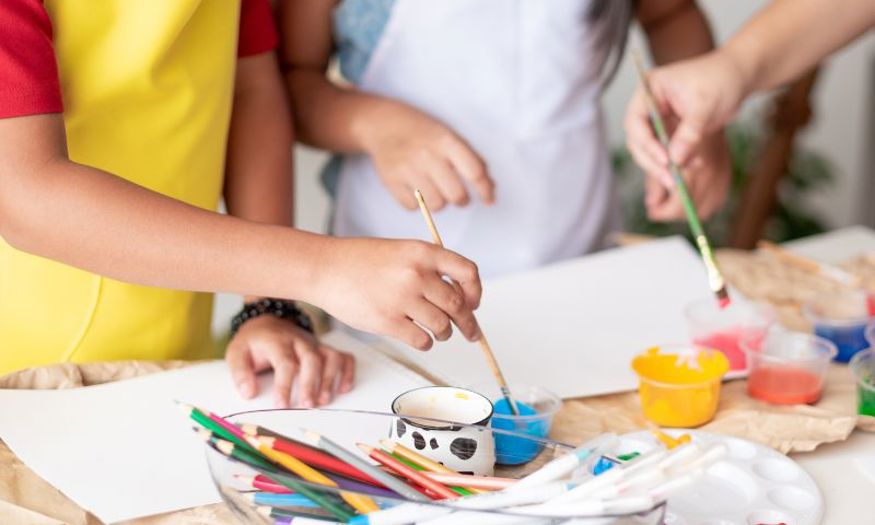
{"x":233,"y":478}
{"x":863,"y":367}
{"x":787,"y":368}
{"x":723,"y":328}
{"x":842,"y":317}
{"x":679,"y":385}
{"x":538,"y":408}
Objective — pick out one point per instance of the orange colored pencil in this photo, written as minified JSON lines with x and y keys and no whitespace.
{"x":427,"y":463}
{"x":471,"y":482}
{"x":408,"y":473}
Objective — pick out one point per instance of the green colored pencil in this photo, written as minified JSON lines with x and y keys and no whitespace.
{"x":233,"y":450}
{"x":715,"y":279}
{"x":334,"y":505}
{"x":458,"y":490}
{"x":204,"y":420}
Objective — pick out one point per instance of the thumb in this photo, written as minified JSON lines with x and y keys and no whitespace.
{"x":242,"y":369}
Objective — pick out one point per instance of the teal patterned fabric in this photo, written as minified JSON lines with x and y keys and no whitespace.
{"x":358,"y":27}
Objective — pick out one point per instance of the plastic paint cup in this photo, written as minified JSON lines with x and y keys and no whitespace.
{"x":537,"y":407}
{"x":679,"y":385}
{"x":842,"y":317}
{"x":723,"y":328}
{"x":787,"y":368}
{"x":863,"y":367}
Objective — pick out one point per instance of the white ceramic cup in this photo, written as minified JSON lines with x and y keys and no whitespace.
{"x":468,"y":447}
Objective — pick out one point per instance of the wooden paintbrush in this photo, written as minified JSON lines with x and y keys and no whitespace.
{"x":715,"y":278}
{"x":484,"y":343}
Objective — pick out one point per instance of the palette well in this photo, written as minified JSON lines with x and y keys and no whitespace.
{"x":753,"y":485}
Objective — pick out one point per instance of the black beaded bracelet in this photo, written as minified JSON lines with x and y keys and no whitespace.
{"x":276,"y":307}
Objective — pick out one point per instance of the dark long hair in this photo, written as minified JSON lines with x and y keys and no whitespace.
{"x":612,"y":18}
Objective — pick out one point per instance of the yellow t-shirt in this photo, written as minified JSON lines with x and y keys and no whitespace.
{"x":147,"y":88}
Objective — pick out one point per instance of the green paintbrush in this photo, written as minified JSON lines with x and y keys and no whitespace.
{"x":715,"y":278}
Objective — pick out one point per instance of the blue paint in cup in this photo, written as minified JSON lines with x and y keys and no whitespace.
{"x":841,"y":318}
{"x":512,"y":450}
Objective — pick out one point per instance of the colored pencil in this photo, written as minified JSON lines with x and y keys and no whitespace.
{"x":325,"y":500}
{"x":316,"y":458}
{"x":295,"y":517}
{"x":406,"y":472}
{"x":469,"y":481}
{"x":279,"y":500}
{"x":458,"y":490}
{"x":232,"y":449}
{"x":715,"y":278}
{"x":353,"y":459}
{"x":426,"y":463}
{"x":266,"y":484}
{"x":361,"y":503}
{"x":484,"y":343}
{"x":200,"y":417}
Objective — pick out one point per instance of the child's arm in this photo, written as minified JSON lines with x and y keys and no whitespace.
{"x":778,"y":44}
{"x":85,"y":217}
{"x":409,"y":149}
{"x":677,"y":29}
{"x":258,"y":187}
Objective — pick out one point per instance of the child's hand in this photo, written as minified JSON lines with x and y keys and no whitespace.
{"x":396,"y":288}
{"x":411,"y":150}
{"x":268,"y":342}
{"x":707,"y":176}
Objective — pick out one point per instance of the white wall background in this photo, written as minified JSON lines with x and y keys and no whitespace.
{"x":843,"y":129}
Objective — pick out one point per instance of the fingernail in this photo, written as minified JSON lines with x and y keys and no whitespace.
{"x":281,"y":403}
{"x":325,"y":398}
{"x":246,"y":388}
{"x":306,"y":403}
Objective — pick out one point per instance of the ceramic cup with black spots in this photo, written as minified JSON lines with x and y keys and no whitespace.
{"x":469,"y":450}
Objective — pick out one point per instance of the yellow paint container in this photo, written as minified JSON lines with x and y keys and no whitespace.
{"x":679,"y":386}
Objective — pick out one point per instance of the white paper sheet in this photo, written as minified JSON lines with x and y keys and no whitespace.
{"x":574,"y":327}
{"x":124,"y":450}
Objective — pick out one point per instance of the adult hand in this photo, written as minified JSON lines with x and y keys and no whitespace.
{"x":696,"y":98}
{"x":411,"y":150}
{"x":707,"y":176}
{"x":397,"y":288}
{"x":293,"y":353}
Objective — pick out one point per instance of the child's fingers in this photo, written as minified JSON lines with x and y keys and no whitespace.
{"x":470,"y":166}
{"x":310,"y":374}
{"x":403,"y":194}
{"x":285,"y":367}
{"x":430,"y":192}
{"x":347,"y":374}
{"x":449,"y":302}
{"x":652,"y":169}
{"x":447,"y":181}
{"x":406,"y":331}
{"x":242,"y":369}
{"x":332,"y":367}
{"x":432,"y":318}
{"x":463,"y":272}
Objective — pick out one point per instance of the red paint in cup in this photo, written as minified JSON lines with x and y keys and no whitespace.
{"x":784,"y":385}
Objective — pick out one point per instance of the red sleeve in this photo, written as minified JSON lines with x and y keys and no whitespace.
{"x":257,"y":29}
{"x":28,"y":70}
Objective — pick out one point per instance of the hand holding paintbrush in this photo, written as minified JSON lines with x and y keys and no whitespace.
{"x":715,"y":278}
{"x":484,"y":344}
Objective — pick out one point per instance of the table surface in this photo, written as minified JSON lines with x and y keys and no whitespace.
{"x":838,"y":468}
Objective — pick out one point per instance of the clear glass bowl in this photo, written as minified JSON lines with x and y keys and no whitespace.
{"x":232,"y":478}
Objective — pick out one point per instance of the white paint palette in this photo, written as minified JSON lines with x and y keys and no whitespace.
{"x":753,"y":485}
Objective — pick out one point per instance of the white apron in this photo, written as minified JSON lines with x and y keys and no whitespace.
{"x":520,"y":81}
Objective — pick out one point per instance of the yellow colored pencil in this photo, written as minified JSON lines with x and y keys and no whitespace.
{"x":359,"y":502}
